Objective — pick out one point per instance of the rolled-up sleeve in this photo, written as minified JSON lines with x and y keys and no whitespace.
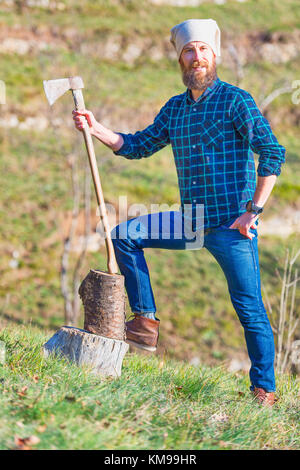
{"x":148,"y":141}
{"x":256,"y":130}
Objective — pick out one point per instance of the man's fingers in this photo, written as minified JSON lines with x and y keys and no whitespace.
{"x":234,"y":224}
{"x":79,"y":122}
{"x":243,"y":228}
{"x":88,"y":118}
{"x":244,"y":231}
{"x":84,"y":113}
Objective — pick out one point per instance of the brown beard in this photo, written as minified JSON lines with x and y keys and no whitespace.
{"x":191,"y":81}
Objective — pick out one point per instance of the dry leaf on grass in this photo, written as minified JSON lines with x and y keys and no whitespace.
{"x":219,"y":418}
{"x":22,"y":392}
{"x":223,"y":444}
{"x":26,"y":443}
{"x":41,"y":428}
{"x":70,"y":398}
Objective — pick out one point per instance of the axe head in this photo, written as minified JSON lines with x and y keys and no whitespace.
{"x":56,"y":88}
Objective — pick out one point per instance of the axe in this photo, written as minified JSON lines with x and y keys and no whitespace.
{"x":54,"y":89}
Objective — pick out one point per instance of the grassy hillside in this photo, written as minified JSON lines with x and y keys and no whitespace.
{"x":156,"y":404}
{"x":191,"y":293}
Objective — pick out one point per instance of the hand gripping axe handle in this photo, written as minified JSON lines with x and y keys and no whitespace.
{"x":53,"y":90}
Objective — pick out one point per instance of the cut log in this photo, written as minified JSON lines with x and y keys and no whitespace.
{"x":103,"y":298}
{"x":103,"y":355}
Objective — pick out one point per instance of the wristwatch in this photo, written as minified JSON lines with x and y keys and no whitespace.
{"x":251,"y":207}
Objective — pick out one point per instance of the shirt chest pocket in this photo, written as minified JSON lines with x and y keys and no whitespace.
{"x":211,"y":133}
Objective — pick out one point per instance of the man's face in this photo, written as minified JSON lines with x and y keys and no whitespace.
{"x":198,"y":65}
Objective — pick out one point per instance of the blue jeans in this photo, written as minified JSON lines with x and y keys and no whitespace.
{"x":236,"y":254}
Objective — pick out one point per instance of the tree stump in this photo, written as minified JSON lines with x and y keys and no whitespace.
{"x":101,"y":344}
{"x":103,"y":355}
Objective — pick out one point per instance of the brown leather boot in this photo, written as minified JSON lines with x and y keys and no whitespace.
{"x":264,"y":398}
{"x":142,"y":332}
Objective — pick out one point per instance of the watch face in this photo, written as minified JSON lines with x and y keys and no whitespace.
{"x":250,"y":207}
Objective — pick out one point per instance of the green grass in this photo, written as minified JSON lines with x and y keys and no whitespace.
{"x":156,"y":404}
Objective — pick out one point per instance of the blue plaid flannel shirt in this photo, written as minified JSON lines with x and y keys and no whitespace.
{"x":213,"y":140}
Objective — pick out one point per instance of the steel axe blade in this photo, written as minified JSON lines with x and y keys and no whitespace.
{"x":54,"y":89}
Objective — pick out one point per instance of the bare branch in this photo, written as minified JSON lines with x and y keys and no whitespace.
{"x":290,"y":328}
{"x":287,"y":323}
{"x":293,"y":260}
{"x":272,"y":96}
{"x":293,"y":282}
{"x":282,"y":314}
{"x":238,"y":65}
{"x":278,"y":274}
{"x":87,"y":231}
{"x":68,"y":242}
{"x":274,"y":328}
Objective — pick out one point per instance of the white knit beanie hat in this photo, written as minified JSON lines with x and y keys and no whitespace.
{"x":196,"y":30}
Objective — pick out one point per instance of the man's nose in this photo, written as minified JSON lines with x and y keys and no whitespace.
{"x":197,"y":55}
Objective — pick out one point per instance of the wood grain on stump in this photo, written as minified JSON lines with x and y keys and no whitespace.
{"x":103,"y":355}
{"x":103,"y":298}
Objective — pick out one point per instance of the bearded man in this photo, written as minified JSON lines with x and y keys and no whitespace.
{"x":214,"y":128}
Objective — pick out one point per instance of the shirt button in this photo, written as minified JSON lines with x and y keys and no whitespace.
{"x":194,"y":146}
{"x":194,"y":182}
{"x":194,"y":109}
{"x":194,"y":200}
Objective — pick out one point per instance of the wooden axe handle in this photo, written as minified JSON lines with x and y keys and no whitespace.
{"x":111,"y":259}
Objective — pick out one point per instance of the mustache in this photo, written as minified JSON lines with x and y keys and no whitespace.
{"x":189,"y":68}
{"x":199,"y":64}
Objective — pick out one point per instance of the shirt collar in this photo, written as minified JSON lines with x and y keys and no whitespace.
{"x":209,"y":89}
